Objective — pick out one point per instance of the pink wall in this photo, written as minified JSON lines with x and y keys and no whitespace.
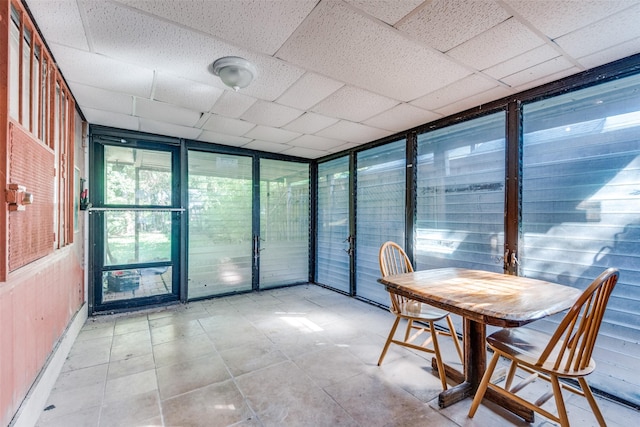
{"x":36,"y":305}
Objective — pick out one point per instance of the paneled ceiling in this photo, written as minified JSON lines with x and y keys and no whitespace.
{"x":332,"y":74}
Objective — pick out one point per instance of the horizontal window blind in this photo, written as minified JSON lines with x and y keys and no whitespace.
{"x":380,"y":206}
{"x":332,"y":267}
{"x":460,"y":195}
{"x":581,"y":212}
{"x":284,"y":223}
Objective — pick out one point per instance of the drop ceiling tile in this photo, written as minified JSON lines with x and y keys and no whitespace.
{"x":270,"y":114}
{"x":444,"y":24}
{"x":270,"y":147}
{"x":315,"y":142}
{"x":120,"y":32}
{"x":310,"y":123}
{"x":100,"y":99}
{"x":538,"y":72}
{"x":556,"y":18}
{"x":402,"y":117}
{"x":185,"y":93}
{"x":108,"y":118}
{"x":307,"y":153}
{"x":611,"y":54}
{"x":232,"y":104}
{"x":390,"y":11}
{"x":106,"y":73}
{"x":461,"y":89}
{"x":343,"y":147}
{"x":221,"y":138}
{"x":522,"y":62}
{"x":341,"y":43}
{"x":238,"y":22}
{"x":476,"y":100}
{"x":502,"y":42}
{"x":165,"y":112}
{"x":228,"y":126}
{"x":271,"y":134}
{"x":308,"y":91}
{"x":60,"y":22}
{"x":607,"y":33}
{"x":353,"y":104}
{"x":547,"y":79}
{"x":353,"y":132}
{"x":168,"y":129}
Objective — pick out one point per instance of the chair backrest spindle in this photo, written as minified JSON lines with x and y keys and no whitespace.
{"x":573,"y":342}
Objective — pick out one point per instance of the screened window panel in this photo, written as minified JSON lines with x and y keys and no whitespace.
{"x":460,"y":196}
{"x":581,"y":212}
{"x":380,"y":205}
{"x":284,"y":223}
{"x":332,"y":266}
{"x":137,"y":177}
{"x":220,"y":235}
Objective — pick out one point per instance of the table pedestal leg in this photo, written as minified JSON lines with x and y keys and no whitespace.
{"x":475,"y":362}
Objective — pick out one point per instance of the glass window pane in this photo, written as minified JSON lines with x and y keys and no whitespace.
{"x":460,"y":195}
{"x":36,"y":92}
{"x":380,"y":206}
{"x":581,"y":211}
{"x":121,"y":285}
{"x":137,"y":177}
{"x":14,"y":65}
{"x":333,"y":224}
{"x":26,"y":80}
{"x":220,"y":224}
{"x":284,"y":223}
{"x":133,"y":237}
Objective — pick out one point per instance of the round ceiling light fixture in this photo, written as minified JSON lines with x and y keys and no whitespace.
{"x":234,"y":71}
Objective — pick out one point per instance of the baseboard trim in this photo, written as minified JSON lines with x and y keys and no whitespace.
{"x":33,"y":404}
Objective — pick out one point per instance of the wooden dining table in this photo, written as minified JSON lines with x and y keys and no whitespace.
{"x":482,"y":298}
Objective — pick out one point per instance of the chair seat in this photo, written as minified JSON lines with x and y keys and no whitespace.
{"x":527,"y":345}
{"x":427,"y":313}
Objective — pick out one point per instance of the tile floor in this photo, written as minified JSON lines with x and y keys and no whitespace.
{"x":299,"y":356}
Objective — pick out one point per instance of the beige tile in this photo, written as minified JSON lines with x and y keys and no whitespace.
{"x":131,"y":365}
{"x":343,"y":364}
{"x":372,"y":401}
{"x":253,"y":356}
{"x":130,"y":385}
{"x":87,"y":417}
{"x":181,"y":350}
{"x":131,"y":410}
{"x":68,"y":400}
{"x":190,"y":375}
{"x":297,"y":402}
{"x":131,"y":350}
{"x":82,"y":377}
{"x":177,"y":330}
{"x":219,"y":404}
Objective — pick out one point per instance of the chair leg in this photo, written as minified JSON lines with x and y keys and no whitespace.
{"x":484,"y":383}
{"x":407,"y":333}
{"x":592,"y":401}
{"x":562,"y":410}
{"x":436,"y":348}
{"x":389,"y":338}
{"x":454,"y":336}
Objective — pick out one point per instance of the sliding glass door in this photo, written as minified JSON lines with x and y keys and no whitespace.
{"x":220,"y":237}
{"x":282,"y":245}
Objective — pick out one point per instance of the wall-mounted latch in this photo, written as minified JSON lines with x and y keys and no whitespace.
{"x":17,"y":197}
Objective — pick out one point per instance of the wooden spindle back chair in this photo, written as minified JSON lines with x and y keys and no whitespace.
{"x":393,"y":260}
{"x":567,"y":353}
